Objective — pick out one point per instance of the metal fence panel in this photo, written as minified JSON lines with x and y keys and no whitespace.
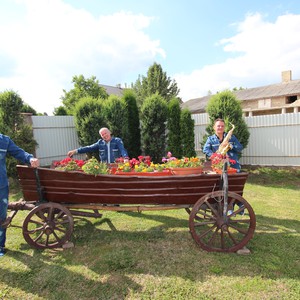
{"x":55,"y":137}
{"x":274,"y":139}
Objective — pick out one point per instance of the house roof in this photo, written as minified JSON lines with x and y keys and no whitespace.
{"x":113,"y":90}
{"x":290,"y":88}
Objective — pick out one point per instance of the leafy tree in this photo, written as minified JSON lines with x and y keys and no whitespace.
{"x":116,"y":116}
{"x":60,"y":111}
{"x":28,"y":109}
{"x":156,"y":82}
{"x":82,"y":88}
{"x":133,"y":141}
{"x":10,"y":104}
{"x":187,"y":125}
{"x":226,"y":106}
{"x":13,"y":124}
{"x":153,"y":127}
{"x":174,"y":137}
{"x":89,"y":118}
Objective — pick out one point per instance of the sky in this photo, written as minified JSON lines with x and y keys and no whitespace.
{"x":205,"y":46}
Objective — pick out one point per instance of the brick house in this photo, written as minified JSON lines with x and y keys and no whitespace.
{"x":272,"y":99}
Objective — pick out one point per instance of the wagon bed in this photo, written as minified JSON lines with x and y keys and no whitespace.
{"x":54,"y":197}
{"x":78,"y":187}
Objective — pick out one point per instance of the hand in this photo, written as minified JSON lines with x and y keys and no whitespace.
{"x":72,"y":152}
{"x":34,"y":162}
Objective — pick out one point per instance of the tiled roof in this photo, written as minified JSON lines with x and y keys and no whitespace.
{"x":113,"y":90}
{"x":268,"y":91}
{"x":290,"y":88}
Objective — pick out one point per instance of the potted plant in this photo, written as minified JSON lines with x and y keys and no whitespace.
{"x":218,"y":160}
{"x":95,"y":167}
{"x":69,"y":164}
{"x":142,"y":166}
{"x":183,"y":166}
{"x":91,"y":166}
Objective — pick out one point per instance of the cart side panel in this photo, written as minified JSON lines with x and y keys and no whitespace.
{"x":78,"y":187}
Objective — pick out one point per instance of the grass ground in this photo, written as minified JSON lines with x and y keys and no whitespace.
{"x":151,"y":255}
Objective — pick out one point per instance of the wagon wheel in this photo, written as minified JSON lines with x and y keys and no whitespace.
{"x":204,"y":208}
{"x":213,"y":231}
{"x":48,"y":225}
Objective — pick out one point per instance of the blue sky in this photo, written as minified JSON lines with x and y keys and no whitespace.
{"x":203,"y":45}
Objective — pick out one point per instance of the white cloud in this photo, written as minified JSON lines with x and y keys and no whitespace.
{"x":261,"y":50}
{"x":52,"y":41}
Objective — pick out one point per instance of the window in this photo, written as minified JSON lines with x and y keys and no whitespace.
{"x":291,"y":99}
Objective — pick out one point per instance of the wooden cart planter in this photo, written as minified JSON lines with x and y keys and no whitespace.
{"x":54,"y":197}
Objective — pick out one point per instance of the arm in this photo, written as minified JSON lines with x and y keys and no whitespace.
{"x":236,"y":146}
{"x":208,"y":149}
{"x":21,"y":154}
{"x":122,"y":150}
{"x":91,"y":148}
{"x":18,"y":153}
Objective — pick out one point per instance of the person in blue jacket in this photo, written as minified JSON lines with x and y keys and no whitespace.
{"x":7,"y":146}
{"x":110,"y":148}
{"x":212,"y":145}
{"x":213,"y":142}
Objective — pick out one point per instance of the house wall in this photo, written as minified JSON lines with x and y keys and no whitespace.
{"x":274,"y":139}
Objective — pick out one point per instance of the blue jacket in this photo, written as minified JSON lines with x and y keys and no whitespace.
{"x":212,"y":144}
{"x":116,"y":149}
{"x":7,"y":146}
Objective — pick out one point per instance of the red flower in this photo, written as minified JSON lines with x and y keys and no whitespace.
{"x":218,"y":160}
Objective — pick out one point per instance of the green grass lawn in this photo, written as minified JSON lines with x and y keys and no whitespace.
{"x":151,"y":255}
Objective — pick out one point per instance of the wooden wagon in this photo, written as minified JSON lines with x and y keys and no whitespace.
{"x":53,"y":197}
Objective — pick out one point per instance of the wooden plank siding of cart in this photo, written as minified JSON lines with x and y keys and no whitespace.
{"x":54,"y":197}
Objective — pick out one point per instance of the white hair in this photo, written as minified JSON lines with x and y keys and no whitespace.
{"x":104,"y":128}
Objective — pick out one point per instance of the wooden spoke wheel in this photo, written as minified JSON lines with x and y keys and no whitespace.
{"x":48,"y":225}
{"x":204,"y":208}
{"x":214,"y":230}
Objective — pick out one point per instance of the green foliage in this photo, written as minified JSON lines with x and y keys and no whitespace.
{"x":153,"y":127}
{"x":82,"y":88}
{"x":187,"y":125}
{"x":225,"y":105}
{"x":116,"y":116}
{"x":133,"y":141}
{"x":10,"y":108}
{"x":174,"y":136}
{"x":60,"y":111}
{"x":89,"y":118}
{"x":28,"y":109}
{"x":94,"y":167}
{"x":13,"y":125}
{"x":156,"y":82}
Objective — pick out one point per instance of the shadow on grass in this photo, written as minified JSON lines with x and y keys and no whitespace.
{"x":109,"y":259}
{"x":48,"y":279}
{"x":274,"y":248}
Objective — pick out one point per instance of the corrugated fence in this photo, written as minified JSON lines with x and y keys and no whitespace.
{"x":55,"y":135}
{"x":274,"y":139}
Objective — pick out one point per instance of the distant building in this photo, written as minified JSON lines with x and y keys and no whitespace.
{"x":277,"y":98}
{"x":113,"y":90}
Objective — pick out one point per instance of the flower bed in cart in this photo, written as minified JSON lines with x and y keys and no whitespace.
{"x":141,"y":166}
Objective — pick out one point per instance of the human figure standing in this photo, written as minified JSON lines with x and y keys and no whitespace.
{"x":110,"y":148}
{"x":235,"y":147}
{"x":213,"y":142}
{"x":7,"y":146}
